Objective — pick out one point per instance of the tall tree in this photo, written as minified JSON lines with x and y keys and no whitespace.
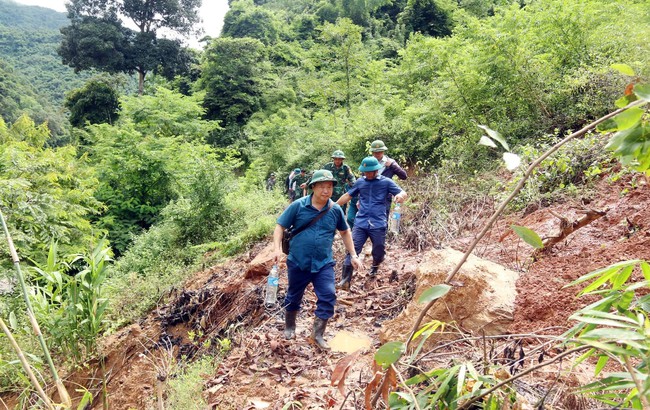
{"x":232,"y":78}
{"x":96,"y":102}
{"x":430,"y":17}
{"x":97,"y":37}
{"x":248,"y":20}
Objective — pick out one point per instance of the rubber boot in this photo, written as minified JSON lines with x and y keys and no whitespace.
{"x":373,"y":271}
{"x":346,"y":277}
{"x":290,"y":324}
{"x":317,"y":334}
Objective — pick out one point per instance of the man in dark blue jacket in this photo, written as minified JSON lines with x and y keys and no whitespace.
{"x":372,"y":220}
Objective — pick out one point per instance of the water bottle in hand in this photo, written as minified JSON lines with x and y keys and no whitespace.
{"x":271,"y":299}
{"x":395,"y":218}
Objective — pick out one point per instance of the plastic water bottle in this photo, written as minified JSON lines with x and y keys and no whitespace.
{"x":395,"y":218}
{"x":271,"y":298}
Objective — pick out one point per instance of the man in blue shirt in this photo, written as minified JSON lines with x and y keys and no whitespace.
{"x":310,"y":257}
{"x":371,"y":221}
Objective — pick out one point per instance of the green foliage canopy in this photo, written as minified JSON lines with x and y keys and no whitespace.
{"x":97,"y":102}
{"x":97,"y":38}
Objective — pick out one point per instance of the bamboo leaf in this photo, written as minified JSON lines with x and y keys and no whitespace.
{"x":495,"y":136}
{"x":645,"y":269}
{"x":608,"y":315}
{"x":13,"y":322}
{"x":602,"y":322}
{"x":622,"y":277}
{"x":600,"y":271}
{"x":613,"y":334}
{"x":444,"y":385}
{"x":612,"y":348}
{"x":389,"y":353}
{"x":461,"y":379}
{"x":598,"y":282}
{"x":528,"y":235}
{"x":434,"y":293}
{"x":602,"y":361}
{"x":487,"y":142}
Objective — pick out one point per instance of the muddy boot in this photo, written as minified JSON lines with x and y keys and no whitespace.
{"x":346,"y":277}
{"x":317,"y":333}
{"x":373,"y":271}
{"x":290,"y":324}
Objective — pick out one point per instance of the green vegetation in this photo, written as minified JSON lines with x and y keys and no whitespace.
{"x":165,"y":177}
{"x":33,"y":79}
{"x":97,"y":38}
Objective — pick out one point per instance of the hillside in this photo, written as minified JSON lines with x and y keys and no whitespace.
{"x":29,"y":37}
{"x":30,"y":18}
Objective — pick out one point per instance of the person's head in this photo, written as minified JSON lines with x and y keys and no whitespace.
{"x":337,"y":157}
{"x":296,"y":171}
{"x":322,"y":184}
{"x":377,"y":148}
{"x":273,"y":175}
{"x":369,"y":167}
{"x":302,"y":171}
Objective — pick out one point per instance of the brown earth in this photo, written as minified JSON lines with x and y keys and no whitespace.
{"x":264,"y":371}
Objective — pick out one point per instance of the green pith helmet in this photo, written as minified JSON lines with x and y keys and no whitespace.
{"x":377,"y":146}
{"x":322,"y":175}
{"x":369,"y":164}
{"x":296,"y":171}
{"x":338,"y":154}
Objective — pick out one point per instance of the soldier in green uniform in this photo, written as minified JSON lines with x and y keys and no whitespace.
{"x":342,"y":173}
{"x":299,"y":184}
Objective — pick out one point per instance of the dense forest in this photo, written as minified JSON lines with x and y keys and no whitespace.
{"x":114,"y":193}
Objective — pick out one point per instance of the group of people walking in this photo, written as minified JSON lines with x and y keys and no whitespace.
{"x":323,"y":212}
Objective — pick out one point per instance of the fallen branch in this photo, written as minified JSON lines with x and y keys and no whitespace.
{"x":567,"y":228}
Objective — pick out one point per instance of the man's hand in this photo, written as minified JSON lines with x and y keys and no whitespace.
{"x":401,"y":197}
{"x":277,"y":255}
{"x":357,"y":263}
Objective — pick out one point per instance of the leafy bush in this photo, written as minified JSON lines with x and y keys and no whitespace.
{"x":576,"y":165}
{"x":148,"y":270}
{"x":185,"y":390}
{"x":69,"y":299}
{"x":253,"y":218}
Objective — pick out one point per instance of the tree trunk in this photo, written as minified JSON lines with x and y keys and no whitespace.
{"x":141,"y":74}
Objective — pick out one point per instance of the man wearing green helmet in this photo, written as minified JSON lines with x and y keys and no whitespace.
{"x":371,"y":221}
{"x":289,"y":184}
{"x":270,"y":183}
{"x":310,"y":258}
{"x":299,"y":184}
{"x":342,"y":173}
{"x":389,"y":166}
